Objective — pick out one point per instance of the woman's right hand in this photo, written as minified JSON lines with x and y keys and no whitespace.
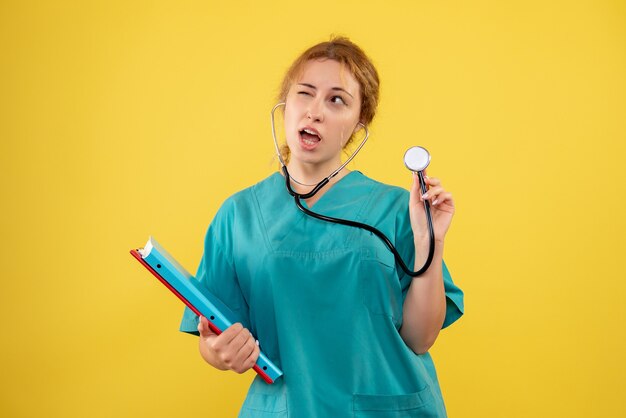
{"x":234,"y":349}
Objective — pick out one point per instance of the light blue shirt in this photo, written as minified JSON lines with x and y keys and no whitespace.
{"x":324,"y":300}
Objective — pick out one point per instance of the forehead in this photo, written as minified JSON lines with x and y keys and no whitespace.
{"x":328,"y":73}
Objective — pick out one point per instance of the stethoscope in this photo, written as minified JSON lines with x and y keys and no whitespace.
{"x":416,"y":159}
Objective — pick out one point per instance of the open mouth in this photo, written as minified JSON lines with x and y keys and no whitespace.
{"x":310,"y":137}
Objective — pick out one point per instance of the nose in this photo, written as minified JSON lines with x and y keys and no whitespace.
{"x":315,"y":111}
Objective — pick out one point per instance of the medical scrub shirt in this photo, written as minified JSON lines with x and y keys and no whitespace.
{"x":324,"y":300}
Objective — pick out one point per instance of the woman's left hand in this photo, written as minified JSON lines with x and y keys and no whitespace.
{"x":441,"y":209}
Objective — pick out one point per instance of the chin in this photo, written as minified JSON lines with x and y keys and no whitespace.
{"x":306,"y":159}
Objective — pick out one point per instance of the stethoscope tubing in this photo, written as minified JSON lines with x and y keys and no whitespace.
{"x":297,"y":197}
{"x":377,"y":232}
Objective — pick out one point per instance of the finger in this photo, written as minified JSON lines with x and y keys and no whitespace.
{"x":237,"y":343}
{"x":432,"y":193}
{"x":241,"y":359}
{"x":445,"y":197}
{"x":432,"y":181}
{"x":252,"y":359}
{"x":203,"y":327}
{"x":229,"y":353}
{"x":417,"y":183}
{"x":415,"y":192}
{"x":225,"y":338}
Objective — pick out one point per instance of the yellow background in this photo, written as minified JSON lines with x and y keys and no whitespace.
{"x":121,"y":119}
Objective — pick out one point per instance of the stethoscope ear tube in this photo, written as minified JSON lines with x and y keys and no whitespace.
{"x":331,"y":175}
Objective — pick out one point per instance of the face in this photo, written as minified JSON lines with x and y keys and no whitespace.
{"x":321,"y":113}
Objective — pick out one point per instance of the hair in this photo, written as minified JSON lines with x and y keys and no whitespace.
{"x":350,"y":55}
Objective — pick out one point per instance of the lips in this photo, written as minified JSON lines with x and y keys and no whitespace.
{"x":309,"y":138}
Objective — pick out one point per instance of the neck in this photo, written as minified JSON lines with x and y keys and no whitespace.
{"x":313,"y":173}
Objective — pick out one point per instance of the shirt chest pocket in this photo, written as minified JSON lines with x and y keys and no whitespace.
{"x":382,"y":292}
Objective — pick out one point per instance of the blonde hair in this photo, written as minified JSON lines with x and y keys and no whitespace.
{"x":347,"y":53}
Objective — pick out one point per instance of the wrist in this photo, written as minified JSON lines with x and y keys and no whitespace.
{"x":425,"y":241}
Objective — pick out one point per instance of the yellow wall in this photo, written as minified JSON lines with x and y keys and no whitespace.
{"x":121,"y":119}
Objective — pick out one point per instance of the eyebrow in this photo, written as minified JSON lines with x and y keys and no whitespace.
{"x":333,"y":88}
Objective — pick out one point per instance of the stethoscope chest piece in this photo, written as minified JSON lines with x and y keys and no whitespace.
{"x":416,"y":159}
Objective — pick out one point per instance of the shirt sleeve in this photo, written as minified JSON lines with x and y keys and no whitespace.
{"x":406,"y":248}
{"x":454,"y":298}
{"x":217,"y":273}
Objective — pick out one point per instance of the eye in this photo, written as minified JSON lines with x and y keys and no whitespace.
{"x":306,"y":93}
{"x":337,"y":100}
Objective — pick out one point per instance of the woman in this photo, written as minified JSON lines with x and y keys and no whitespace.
{"x":350,"y":331}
